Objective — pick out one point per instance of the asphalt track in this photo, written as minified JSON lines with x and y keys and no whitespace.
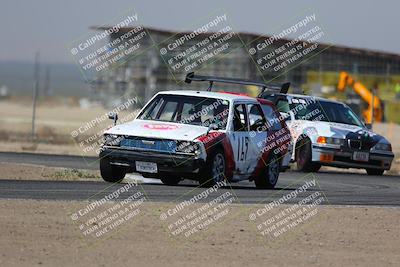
{"x":338,"y":188}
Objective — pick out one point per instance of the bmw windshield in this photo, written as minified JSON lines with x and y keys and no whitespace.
{"x":319,"y":110}
{"x":328,"y":111}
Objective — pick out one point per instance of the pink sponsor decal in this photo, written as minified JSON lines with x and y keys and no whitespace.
{"x":160,"y":126}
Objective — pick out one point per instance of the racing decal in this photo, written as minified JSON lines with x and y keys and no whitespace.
{"x":154,"y":126}
{"x":243,"y":148}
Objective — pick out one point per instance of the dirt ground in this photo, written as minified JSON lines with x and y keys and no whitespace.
{"x":36,"y":172}
{"x":41,"y":233}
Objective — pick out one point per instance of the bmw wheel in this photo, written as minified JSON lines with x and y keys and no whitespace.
{"x":303,"y":157}
{"x":377,"y":172}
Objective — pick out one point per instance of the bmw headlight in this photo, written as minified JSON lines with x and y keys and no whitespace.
{"x":330,"y":140}
{"x":111,"y":140}
{"x":383,"y":147}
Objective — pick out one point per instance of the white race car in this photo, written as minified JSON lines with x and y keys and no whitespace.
{"x":200,"y":135}
{"x":328,"y":133}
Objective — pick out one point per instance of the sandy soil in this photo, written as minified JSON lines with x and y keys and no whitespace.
{"x":35,"y":172}
{"x":41,"y":233}
{"x":61,"y":118}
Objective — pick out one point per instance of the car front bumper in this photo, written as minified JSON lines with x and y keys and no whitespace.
{"x":167,"y":163}
{"x":337,"y":157}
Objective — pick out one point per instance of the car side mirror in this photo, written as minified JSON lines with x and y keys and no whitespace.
{"x":113,"y":116}
{"x":368,"y":126}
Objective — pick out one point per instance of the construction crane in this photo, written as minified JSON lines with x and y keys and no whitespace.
{"x":374,"y":109}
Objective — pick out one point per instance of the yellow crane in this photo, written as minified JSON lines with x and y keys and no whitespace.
{"x":374,"y":108}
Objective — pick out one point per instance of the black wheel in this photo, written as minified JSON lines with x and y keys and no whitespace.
{"x":110,"y":173}
{"x":270,"y":175}
{"x":375,"y":171}
{"x":215,"y":169}
{"x":303,"y":157}
{"x":170,"y":179}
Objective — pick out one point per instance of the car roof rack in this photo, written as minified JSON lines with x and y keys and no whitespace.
{"x":281,"y":88}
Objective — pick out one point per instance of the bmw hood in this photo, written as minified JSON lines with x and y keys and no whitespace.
{"x":337,"y":130}
{"x":340,"y":130}
{"x":159,"y":130}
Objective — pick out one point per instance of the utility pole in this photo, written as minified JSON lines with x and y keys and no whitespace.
{"x":46,"y":86}
{"x":35,"y":94}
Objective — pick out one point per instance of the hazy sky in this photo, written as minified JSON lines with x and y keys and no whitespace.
{"x":50,"y":25}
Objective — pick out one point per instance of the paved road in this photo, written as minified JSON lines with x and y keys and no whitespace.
{"x":337,"y":187}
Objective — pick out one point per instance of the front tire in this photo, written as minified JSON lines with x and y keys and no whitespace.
{"x":215,"y":170}
{"x":375,"y":172}
{"x":110,"y":173}
{"x":303,"y":157}
{"x":269,"y":177}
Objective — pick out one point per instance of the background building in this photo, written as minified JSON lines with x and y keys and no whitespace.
{"x":145,"y":74}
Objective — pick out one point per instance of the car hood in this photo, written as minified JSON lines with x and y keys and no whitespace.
{"x":333,"y":129}
{"x":159,"y":130}
{"x":339,"y":129}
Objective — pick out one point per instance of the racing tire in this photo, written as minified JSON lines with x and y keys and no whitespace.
{"x":375,"y":172}
{"x":303,"y":157}
{"x":170,"y":179}
{"x":109,"y":173}
{"x":215,"y":169}
{"x":269,"y":177}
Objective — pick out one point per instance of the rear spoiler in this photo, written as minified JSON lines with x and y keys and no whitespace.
{"x":281,"y":88}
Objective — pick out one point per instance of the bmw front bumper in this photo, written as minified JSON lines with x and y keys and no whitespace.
{"x":338,"y":157}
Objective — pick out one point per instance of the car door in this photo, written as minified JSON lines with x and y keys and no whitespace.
{"x":279,"y":138}
{"x":258,"y":134}
{"x":240,"y":139}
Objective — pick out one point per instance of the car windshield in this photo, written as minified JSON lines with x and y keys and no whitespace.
{"x":192,"y":110}
{"x":324,"y":111}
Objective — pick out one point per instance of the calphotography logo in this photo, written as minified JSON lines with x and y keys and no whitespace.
{"x":89,"y":136}
{"x":103,"y":217}
{"x":277,"y":218}
{"x":109,"y":47}
{"x":194,"y":50}
{"x":289,"y":47}
{"x":198,"y":213}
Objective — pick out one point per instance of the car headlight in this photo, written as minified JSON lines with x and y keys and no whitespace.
{"x":330,"y":140}
{"x":187,"y":147}
{"x":111,"y":140}
{"x":383,"y":146}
